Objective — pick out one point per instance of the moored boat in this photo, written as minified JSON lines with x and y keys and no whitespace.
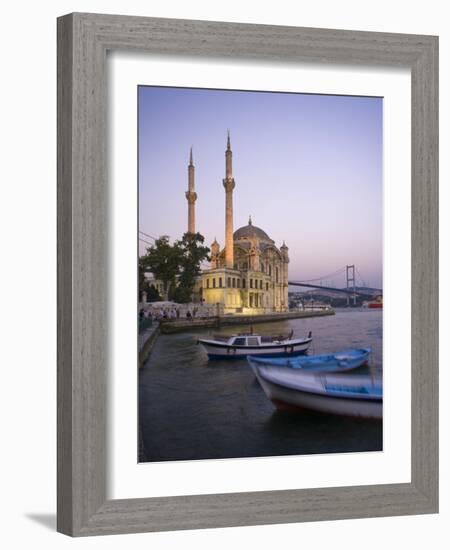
{"x":332,"y":362}
{"x":377,"y":303}
{"x":248,"y":345}
{"x":339,"y":394}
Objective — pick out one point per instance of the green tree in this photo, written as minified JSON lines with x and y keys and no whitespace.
{"x":177,"y":265}
{"x":152,"y":294}
{"x":193,"y":253}
{"x":164,"y":260}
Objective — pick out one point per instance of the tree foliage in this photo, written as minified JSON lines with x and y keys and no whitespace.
{"x":193,"y":253}
{"x":163,"y":260}
{"x":177,"y":265}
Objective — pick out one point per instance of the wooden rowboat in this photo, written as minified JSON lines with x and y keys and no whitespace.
{"x":338,"y":394}
{"x":332,"y":362}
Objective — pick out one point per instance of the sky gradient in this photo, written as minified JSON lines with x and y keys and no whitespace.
{"x":308,"y":169}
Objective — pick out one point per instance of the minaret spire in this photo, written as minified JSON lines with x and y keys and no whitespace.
{"x":229,"y":185}
{"x":191,"y":195}
{"x":228,"y":159}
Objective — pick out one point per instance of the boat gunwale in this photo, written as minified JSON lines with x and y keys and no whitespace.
{"x":315,"y":359}
{"x":326,"y":393}
{"x":272,"y":345}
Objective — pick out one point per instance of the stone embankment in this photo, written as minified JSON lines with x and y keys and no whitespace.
{"x":170,"y":326}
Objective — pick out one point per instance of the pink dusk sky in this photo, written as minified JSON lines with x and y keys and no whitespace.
{"x":308,"y":169}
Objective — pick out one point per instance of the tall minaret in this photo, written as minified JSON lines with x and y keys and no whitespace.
{"x":191,"y":195}
{"x":229,"y":184}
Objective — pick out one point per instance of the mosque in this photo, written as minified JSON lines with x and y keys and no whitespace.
{"x":250,"y":273}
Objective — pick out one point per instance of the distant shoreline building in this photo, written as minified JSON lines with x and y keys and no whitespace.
{"x":248,"y":275}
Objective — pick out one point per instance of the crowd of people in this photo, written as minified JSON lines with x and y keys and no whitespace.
{"x":172,"y":313}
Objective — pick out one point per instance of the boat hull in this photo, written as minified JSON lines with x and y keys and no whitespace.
{"x":224,"y":351}
{"x":284,"y":397}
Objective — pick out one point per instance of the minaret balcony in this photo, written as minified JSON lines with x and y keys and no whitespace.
{"x":229,"y":184}
{"x":191,"y":196}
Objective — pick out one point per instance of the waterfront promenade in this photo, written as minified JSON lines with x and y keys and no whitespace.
{"x":169,"y":326}
{"x":146,"y":340}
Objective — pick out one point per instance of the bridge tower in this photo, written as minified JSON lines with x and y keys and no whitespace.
{"x":350,"y":277}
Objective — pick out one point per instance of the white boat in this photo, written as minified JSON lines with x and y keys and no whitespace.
{"x":340,"y":394}
{"x":240,"y":346}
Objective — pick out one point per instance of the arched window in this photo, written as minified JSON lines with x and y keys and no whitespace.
{"x":276,"y":274}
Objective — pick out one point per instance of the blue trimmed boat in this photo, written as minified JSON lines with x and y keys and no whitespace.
{"x":332,"y":362}
{"x":349,"y":394}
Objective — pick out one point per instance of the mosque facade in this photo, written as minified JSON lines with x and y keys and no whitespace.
{"x":249,"y":274}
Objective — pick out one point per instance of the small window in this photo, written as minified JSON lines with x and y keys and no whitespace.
{"x":276,"y":275}
{"x":270,"y":271}
{"x":207,"y":283}
{"x":243,"y":283}
{"x":214,"y":282}
{"x":251,"y":283}
{"x":239,"y":342}
{"x":260,"y":284}
{"x":267,"y":286}
{"x":220,"y":282}
{"x":238,"y":281}
{"x":252,"y":341}
{"x":229,"y":282}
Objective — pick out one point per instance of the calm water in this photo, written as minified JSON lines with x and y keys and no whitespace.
{"x":191,"y":408}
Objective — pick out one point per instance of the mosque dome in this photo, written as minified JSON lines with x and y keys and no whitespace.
{"x":251,"y":231}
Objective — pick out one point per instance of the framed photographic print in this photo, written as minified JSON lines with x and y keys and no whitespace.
{"x":246,"y":334}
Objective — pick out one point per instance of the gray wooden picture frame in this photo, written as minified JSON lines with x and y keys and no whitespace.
{"x":83,"y":41}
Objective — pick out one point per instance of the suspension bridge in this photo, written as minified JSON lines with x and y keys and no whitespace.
{"x":353,"y":279}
